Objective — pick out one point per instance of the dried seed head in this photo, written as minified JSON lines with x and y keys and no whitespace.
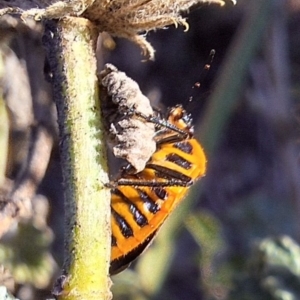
{"x":130,"y":18}
{"x":130,"y":136}
{"x":121,"y":18}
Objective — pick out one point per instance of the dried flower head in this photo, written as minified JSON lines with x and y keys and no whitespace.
{"x":130,"y":19}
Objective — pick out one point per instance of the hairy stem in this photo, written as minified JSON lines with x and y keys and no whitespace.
{"x":4,"y":128}
{"x":71,"y":46}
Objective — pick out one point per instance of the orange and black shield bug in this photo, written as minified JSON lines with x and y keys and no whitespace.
{"x":141,"y":202}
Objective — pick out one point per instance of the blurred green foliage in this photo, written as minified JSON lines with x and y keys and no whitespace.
{"x":26,"y":254}
{"x":207,"y":232}
{"x":272,"y":272}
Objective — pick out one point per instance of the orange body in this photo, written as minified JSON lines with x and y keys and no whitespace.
{"x":141,"y":202}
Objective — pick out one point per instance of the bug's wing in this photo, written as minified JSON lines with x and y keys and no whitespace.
{"x":120,"y":264}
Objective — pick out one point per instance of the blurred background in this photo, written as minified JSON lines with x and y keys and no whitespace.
{"x":236,"y":236}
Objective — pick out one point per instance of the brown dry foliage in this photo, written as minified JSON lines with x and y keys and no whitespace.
{"x":122,"y":18}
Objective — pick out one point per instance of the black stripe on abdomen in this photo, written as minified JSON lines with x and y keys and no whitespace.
{"x":184,"y":146}
{"x":113,"y":241}
{"x":179,"y":161}
{"x":124,"y":227}
{"x":149,"y":203}
{"x":138,"y":216}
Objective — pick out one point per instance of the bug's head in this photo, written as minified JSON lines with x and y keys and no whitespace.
{"x":178,"y":116}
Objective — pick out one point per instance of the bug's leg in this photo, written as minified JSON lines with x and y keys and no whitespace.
{"x":161,"y":122}
{"x":148,"y":183}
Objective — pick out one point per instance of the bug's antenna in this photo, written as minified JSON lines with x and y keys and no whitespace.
{"x":204,"y":71}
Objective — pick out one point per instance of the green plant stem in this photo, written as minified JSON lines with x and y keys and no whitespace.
{"x":4,"y":132}
{"x":71,"y":45}
{"x":4,"y":128}
{"x":220,"y":108}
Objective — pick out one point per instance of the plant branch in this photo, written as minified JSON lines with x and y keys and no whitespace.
{"x":71,"y":46}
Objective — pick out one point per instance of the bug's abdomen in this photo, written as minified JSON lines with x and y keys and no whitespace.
{"x":139,"y":211}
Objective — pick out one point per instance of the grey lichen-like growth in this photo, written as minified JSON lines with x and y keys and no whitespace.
{"x":129,"y":19}
{"x":130,"y":136}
